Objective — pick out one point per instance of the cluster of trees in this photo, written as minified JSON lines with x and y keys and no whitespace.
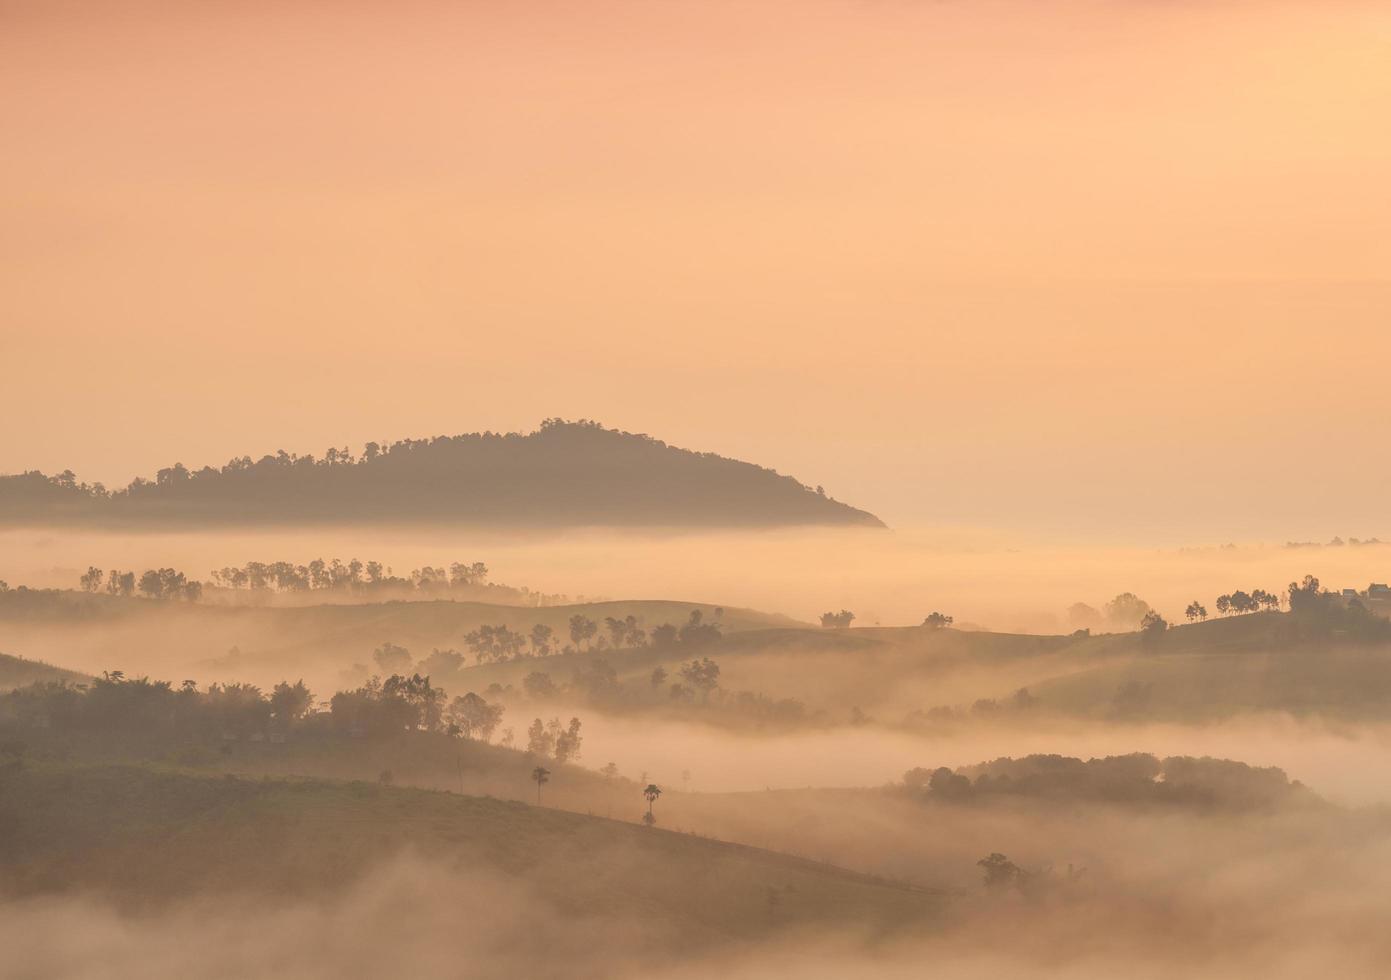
{"x":1139,"y":778}
{"x":552,"y":740}
{"x":1235,"y":602}
{"x":691,"y":683}
{"x":380,"y":707}
{"x":114,"y":703}
{"x":155,"y":583}
{"x":842,"y":620}
{"x":1123,"y":613}
{"x":1021,"y":701}
{"x":1000,"y":874}
{"x":697,"y":677}
{"x":1152,"y":624}
{"x":412,"y":703}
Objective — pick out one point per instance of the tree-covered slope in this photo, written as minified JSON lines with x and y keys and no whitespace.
{"x":563,"y":474}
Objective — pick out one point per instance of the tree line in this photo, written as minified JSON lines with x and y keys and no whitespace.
{"x":1139,"y":778}
{"x":153,"y":583}
{"x":233,"y":712}
{"x":501,"y":643}
{"x":357,"y":575}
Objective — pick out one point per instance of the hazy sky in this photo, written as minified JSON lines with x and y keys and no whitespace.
{"x":1113,"y":267}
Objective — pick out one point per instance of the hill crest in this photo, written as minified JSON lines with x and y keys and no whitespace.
{"x":562,"y":474}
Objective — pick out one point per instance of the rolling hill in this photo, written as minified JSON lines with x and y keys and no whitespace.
{"x":147,"y":837}
{"x":563,"y":474}
{"x":271,"y":642}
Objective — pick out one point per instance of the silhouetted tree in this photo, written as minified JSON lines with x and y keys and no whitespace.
{"x":839,"y":621}
{"x":540,"y":776}
{"x":1305,"y":596}
{"x":1153,"y":623}
{"x":1195,"y":610}
{"x":651,"y":792}
{"x":936,"y":621}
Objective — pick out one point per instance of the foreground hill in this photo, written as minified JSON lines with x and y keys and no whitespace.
{"x":563,"y":474}
{"x":147,"y":837}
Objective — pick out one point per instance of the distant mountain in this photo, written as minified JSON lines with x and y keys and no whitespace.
{"x":563,"y":474}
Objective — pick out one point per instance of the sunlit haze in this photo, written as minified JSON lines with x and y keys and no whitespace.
{"x":670,"y":489}
{"x":1110,"y":269}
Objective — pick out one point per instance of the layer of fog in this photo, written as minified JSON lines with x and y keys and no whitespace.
{"x":1345,"y":765}
{"x":894,"y":578}
{"x":413,"y":918}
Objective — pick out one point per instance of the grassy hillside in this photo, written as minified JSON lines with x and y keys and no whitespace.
{"x":19,"y":672}
{"x":1353,"y":683}
{"x":150,"y":837}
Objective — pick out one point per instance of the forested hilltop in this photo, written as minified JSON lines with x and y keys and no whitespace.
{"x":564,"y":473}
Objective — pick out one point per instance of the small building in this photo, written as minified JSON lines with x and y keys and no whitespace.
{"x":1349,"y":593}
{"x":1379,"y":590}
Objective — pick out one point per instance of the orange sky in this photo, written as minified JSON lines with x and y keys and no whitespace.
{"x":1115,"y":267}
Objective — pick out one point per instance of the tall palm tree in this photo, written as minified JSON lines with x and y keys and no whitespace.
{"x":541,"y":775}
{"x":651,"y":793}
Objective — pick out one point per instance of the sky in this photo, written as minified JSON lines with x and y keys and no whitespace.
{"x":1112,"y":269}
